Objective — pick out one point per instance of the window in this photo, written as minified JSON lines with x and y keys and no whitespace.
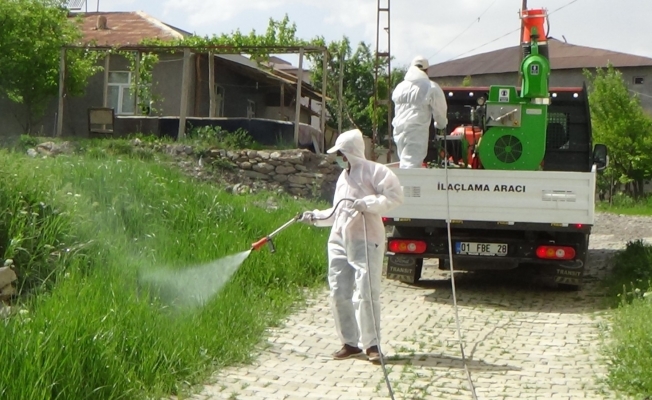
{"x":251,"y":109}
{"x":638,"y":80}
{"x":120,"y":97}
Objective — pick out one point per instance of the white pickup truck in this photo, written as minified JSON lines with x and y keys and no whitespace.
{"x":502,"y":219}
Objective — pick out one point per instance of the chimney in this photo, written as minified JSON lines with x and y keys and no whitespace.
{"x":101,"y":23}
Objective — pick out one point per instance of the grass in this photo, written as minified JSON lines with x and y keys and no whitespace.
{"x":629,"y":344}
{"x":79,"y":229}
{"x":632,"y":270}
{"x":626,"y":205}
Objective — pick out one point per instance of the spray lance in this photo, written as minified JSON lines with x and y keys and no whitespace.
{"x":268,"y":239}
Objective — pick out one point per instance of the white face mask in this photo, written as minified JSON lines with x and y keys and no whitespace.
{"x":342,"y":163}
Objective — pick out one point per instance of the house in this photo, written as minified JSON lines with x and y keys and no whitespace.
{"x":247,"y":94}
{"x":567,"y":63}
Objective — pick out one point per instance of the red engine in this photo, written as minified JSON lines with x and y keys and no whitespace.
{"x":469,"y":137}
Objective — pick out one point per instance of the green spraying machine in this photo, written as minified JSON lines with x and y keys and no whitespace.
{"x":514,"y":136}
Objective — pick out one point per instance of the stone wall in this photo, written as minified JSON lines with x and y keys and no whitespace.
{"x":298,"y":172}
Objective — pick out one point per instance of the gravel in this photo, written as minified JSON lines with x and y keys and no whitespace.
{"x":623,"y":228}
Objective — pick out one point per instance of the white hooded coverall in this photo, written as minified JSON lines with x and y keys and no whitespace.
{"x":417,"y":100}
{"x":351,"y":294}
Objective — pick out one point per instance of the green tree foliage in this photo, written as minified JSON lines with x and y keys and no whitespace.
{"x":31,"y":35}
{"x":278,"y":34}
{"x":358,"y":85}
{"x":620,"y":123}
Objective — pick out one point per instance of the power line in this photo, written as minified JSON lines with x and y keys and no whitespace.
{"x":509,"y":33}
{"x":562,"y":7}
{"x":485,"y":44}
{"x":464,"y":31}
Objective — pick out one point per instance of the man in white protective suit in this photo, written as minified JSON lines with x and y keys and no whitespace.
{"x":417,"y":100}
{"x":356,"y":245}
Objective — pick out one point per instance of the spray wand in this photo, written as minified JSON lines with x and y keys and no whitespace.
{"x":268,"y":239}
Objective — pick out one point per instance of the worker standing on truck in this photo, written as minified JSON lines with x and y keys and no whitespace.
{"x":417,"y":101}
{"x":356,"y":245}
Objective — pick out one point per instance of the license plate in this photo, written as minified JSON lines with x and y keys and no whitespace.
{"x":481,"y":249}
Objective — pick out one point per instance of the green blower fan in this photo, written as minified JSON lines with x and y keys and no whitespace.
{"x":515,"y":138}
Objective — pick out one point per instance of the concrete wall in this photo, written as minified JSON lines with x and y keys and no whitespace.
{"x":564,"y":78}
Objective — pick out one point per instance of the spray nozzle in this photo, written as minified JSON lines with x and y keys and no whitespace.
{"x":272,"y":248}
{"x":266,"y":240}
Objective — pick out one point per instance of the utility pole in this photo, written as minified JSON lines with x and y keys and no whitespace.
{"x":340,"y":95}
{"x":383,"y":57}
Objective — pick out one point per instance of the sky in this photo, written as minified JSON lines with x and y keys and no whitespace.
{"x":439,"y":30}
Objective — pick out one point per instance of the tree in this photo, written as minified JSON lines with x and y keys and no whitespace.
{"x":32,"y":33}
{"x":620,"y":123}
{"x":358,"y":85}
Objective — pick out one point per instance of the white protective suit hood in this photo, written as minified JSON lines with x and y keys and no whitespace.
{"x":417,"y":101}
{"x":351,"y":144}
{"x":356,"y":245}
{"x":420,"y":62}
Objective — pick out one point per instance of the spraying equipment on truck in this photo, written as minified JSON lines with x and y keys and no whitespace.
{"x":512,"y":131}
{"x":525,"y":192}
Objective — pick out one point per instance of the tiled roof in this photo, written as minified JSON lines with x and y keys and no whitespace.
{"x":562,"y":56}
{"x":125,"y":28}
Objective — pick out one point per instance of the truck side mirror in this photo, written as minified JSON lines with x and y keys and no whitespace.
{"x":600,"y":157}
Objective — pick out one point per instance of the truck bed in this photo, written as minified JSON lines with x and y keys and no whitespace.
{"x":549,"y":197}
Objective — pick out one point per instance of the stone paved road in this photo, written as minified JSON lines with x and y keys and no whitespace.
{"x":523,"y":341}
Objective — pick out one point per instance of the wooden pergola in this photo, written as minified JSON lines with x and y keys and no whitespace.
{"x":185,"y":83}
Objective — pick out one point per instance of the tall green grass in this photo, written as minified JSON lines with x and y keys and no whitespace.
{"x":623,"y":204}
{"x":629,"y":344}
{"x":80,"y":228}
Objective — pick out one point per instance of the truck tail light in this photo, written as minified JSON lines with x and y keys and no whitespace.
{"x":407,"y":246}
{"x":556,"y":252}
{"x":385,"y":219}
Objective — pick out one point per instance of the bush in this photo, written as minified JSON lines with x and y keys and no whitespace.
{"x":628,"y":348}
{"x":82,"y":229}
{"x":27,"y":142}
{"x":218,"y":137}
{"x":632,"y":270}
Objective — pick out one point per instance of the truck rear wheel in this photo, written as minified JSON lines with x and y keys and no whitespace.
{"x":404,"y":269}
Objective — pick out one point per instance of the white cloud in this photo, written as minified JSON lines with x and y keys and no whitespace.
{"x":204,"y":13}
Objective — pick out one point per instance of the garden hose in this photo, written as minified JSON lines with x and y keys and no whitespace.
{"x":450,"y":255}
